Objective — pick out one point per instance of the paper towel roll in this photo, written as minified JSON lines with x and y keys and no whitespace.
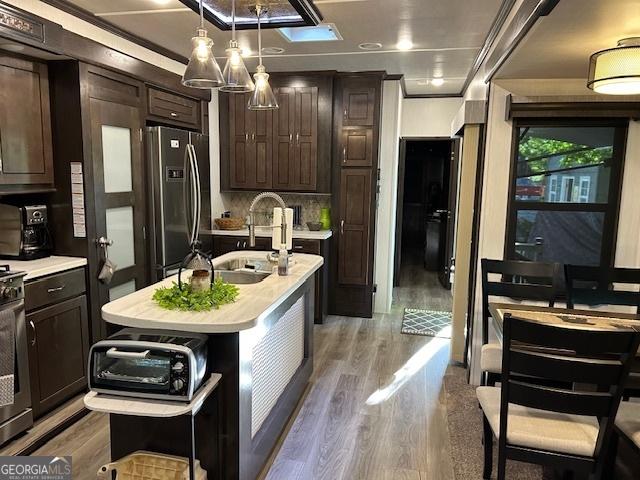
{"x":288,"y":215}
{"x":276,"y":234}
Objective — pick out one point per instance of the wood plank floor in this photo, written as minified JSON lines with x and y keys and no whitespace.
{"x":373,"y":409}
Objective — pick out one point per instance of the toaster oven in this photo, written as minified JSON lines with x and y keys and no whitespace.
{"x":157,"y":364}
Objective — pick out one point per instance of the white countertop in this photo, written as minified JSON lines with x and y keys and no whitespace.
{"x":266,"y":232}
{"x":45,"y":266}
{"x":255,"y":301}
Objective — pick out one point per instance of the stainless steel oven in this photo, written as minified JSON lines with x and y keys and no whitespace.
{"x":17,"y":416}
{"x":149,"y":363}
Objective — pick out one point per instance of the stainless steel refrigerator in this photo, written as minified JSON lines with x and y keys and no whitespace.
{"x":180,"y":196}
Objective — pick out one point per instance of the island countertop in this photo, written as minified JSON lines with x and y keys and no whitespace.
{"x":255,"y":301}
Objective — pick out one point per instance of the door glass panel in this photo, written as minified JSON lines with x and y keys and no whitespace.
{"x":116,"y":159}
{"x":120,"y":230}
{"x":122,"y":290}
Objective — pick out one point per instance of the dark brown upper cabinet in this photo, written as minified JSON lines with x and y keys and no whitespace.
{"x":357,"y":147}
{"x":251,"y":145}
{"x":26,"y":154}
{"x":296,"y":157}
{"x":295,"y":165}
{"x":172,"y":109}
{"x":359,"y":105}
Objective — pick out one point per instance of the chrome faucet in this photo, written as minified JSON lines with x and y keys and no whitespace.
{"x":252,"y":221}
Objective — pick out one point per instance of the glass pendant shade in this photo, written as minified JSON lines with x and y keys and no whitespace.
{"x":202,"y":71}
{"x":235,"y":73}
{"x":263,"y":97}
{"x":616,"y":71}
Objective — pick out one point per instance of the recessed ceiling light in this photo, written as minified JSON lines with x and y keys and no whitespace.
{"x":272,"y":50}
{"x":162,"y":2}
{"x":370,"y":46}
{"x":246,"y":51}
{"x":437,"y":82}
{"x":404,"y":44}
{"x":422,"y":82}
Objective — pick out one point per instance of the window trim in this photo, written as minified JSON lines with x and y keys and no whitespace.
{"x":611,"y":209}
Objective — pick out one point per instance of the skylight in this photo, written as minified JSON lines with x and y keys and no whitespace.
{"x":326,"y":32}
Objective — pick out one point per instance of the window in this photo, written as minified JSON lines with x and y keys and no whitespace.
{"x":564,"y":199}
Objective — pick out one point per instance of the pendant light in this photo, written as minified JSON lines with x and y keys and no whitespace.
{"x":263,"y":97}
{"x":236,"y":76}
{"x":202,"y":71}
{"x":616,"y":71}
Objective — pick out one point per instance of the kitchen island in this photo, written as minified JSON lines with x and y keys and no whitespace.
{"x":262,"y":345}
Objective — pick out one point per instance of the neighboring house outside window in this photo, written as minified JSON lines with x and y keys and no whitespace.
{"x":565,"y":186}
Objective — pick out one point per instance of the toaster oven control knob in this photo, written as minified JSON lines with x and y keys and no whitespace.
{"x":178,"y":367}
{"x":8,"y":292}
{"x":178,"y":384}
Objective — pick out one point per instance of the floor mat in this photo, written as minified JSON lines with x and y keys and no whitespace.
{"x":431,"y":323}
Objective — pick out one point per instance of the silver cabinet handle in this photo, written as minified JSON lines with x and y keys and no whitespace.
{"x":341,"y":227}
{"x":104,"y":242}
{"x":238,"y":245}
{"x":345,"y":112}
{"x":253,"y":137}
{"x":173,"y":114}
{"x":290,"y":137}
{"x":56,"y":289}
{"x":33,"y":328}
{"x":298,"y":138}
{"x":344,"y":154}
{"x":246,"y":137}
{"x":113,"y":352}
{"x":298,"y":247}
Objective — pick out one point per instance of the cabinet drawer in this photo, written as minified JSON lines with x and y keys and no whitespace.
{"x":54,"y":288}
{"x":173,"y":107}
{"x":301,"y":245}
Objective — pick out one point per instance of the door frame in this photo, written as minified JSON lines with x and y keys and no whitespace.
{"x":400,"y":195}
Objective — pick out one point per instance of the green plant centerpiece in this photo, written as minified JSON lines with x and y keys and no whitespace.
{"x":202,"y":293}
{"x":186,"y":299}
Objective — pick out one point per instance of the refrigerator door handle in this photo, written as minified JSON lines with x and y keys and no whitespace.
{"x":197,"y":190}
{"x":186,"y":190}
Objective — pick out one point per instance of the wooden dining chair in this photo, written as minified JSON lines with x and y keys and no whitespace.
{"x":593,"y":286}
{"x":551,"y":426}
{"x":627,"y":430}
{"x":532,"y":281}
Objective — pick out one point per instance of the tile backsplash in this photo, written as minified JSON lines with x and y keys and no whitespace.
{"x":238,"y":204}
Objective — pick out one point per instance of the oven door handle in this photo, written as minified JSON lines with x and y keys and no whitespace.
{"x":113,"y":352}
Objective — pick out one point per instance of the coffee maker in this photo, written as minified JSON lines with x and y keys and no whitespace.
{"x":25,"y":235}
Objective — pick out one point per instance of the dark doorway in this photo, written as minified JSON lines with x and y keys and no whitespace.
{"x":425,"y":224}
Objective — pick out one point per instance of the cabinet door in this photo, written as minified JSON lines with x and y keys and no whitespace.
{"x":305,"y":167}
{"x":239,"y":176}
{"x":260,"y":151}
{"x":284,"y":134}
{"x":357,"y":147}
{"x":225,"y":244}
{"x":26,"y":155}
{"x":58,"y":347}
{"x":359,"y":105}
{"x":355,"y":217}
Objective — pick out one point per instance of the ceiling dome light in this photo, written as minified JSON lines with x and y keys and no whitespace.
{"x":370,"y":46}
{"x":272,"y":50}
{"x":404,"y":44}
{"x":437,"y":82}
{"x":616,"y":71}
{"x":236,"y":76}
{"x":202,"y":70}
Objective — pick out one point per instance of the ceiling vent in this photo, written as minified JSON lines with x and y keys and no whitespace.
{"x":279,"y":13}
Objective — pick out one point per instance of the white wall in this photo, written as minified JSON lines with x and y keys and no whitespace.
{"x":428,"y":117}
{"x":386,"y":217}
{"x":496,"y":183}
{"x":85,"y":29}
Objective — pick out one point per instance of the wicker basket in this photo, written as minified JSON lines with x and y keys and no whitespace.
{"x":230,"y":223}
{"x":150,"y":466}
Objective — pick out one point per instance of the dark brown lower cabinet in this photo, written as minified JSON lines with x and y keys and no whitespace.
{"x":58,"y":347}
{"x":230,"y":243}
{"x":355,"y":215}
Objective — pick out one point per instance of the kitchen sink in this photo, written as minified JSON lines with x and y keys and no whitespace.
{"x":246,"y":264}
{"x":241,"y":277}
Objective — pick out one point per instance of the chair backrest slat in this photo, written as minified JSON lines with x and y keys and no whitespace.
{"x":600,"y":282}
{"x":560,"y":400}
{"x":561,"y":369}
{"x":542,"y":284}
